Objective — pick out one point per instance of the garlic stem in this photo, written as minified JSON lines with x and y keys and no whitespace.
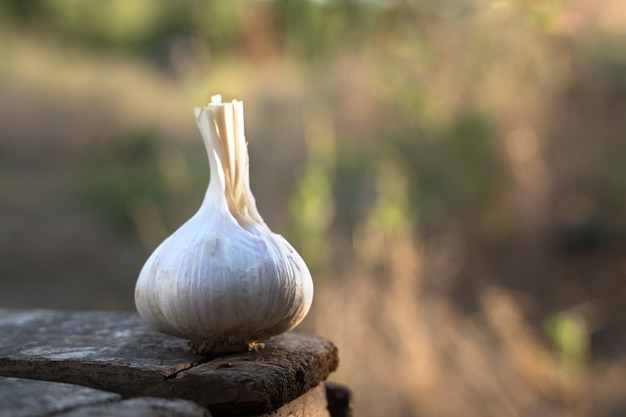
{"x":232,"y":153}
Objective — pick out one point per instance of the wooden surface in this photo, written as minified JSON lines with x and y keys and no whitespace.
{"x":30,"y":398}
{"x":24,"y":397}
{"x":311,"y":404}
{"x":140,"y":407}
{"x":117,"y":352}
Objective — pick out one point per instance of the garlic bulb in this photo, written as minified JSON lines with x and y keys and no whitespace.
{"x":223,"y":280}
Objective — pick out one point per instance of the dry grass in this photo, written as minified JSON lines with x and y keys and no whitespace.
{"x":409,"y":351}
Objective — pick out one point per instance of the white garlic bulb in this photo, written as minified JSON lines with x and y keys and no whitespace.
{"x":223,"y":280}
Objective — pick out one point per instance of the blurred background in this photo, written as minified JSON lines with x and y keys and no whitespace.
{"x":453,"y":172}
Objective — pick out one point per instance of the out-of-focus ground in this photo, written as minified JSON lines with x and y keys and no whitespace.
{"x":453,"y":172}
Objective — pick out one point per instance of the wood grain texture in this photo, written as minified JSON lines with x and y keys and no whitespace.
{"x":140,"y":407}
{"x":311,"y":404}
{"x":117,"y":352}
{"x":26,"y":397}
{"x":30,"y":398}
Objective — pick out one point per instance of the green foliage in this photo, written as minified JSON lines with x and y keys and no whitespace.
{"x":391,"y":211}
{"x":311,"y":210}
{"x":452,"y":174}
{"x":308,"y":30}
{"x":568,"y":334}
{"x":113,"y":178}
{"x":314,"y":30}
{"x":311,"y":206}
{"x":432,"y":63}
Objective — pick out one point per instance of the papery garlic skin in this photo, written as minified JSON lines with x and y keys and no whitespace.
{"x":223,"y":279}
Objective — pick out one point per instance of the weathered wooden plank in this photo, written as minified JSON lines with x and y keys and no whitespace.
{"x":26,"y":397}
{"x":311,"y":404}
{"x":285,"y":369}
{"x":117,"y":352}
{"x":31,"y":398}
{"x":141,"y":407}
